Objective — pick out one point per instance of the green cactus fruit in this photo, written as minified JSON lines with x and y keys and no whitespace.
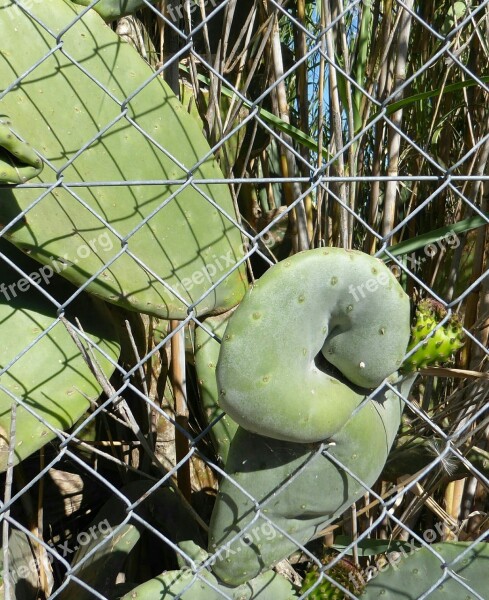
{"x":298,"y":487}
{"x":106,"y":126}
{"x":18,"y":161}
{"x":432,"y":567}
{"x":344,"y":304}
{"x":342,"y":572}
{"x":113,"y":9}
{"x":439,"y":348}
{"x":206,"y":355}
{"x":51,"y":377}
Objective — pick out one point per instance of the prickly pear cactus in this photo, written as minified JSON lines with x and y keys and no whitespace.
{"x":183,"y":584}
{"x":298,"y":487}
{"x":431,"y":567}
{"x":113,"y":9}
{"x":40,"y":363}
{"x":439,"y":348}
{"x":96,"y":112}
{"x":311,"y":441}
{"x":305,"y":306}
{"x":99,"y":562}
{"x":206,"y":357}
{"x":18,"y":161}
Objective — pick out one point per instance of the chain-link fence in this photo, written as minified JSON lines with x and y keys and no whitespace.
{"x":152,"y":168}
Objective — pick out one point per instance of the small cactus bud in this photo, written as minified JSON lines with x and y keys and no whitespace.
{"x":439,"y":347}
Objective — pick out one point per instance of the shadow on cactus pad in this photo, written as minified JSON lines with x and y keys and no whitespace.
{"x":42,"y":372}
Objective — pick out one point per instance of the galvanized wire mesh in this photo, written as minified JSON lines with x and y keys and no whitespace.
{"x":321,"y":175}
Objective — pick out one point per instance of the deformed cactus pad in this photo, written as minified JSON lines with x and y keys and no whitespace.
{"x":296,"y":487}
{"x":344,"y":304}
{"x":298,"y":361}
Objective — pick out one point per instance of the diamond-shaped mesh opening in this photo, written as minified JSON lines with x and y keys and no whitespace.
{"x":153,"y":168}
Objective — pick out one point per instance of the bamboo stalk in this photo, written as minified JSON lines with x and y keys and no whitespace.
{"x":287,"y":162}
{"x":394,"y":143}
{"x":335,"y":112}
{"x":453,"y":501}
{"x":177,"y":369}
{"x":303,"y":103}
{"x":8,"y":593}
{"x":321,"y":231}
{"x":458,"y":373}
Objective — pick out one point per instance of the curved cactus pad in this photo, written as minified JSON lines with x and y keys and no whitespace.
{"x":439,"y":347}
{"x":18,"y":161}
{"x":344,"y":304}
{"x":297,"y":487}
{"x":99,"y":115}
{"x":50,"y":378}
{"x":432,"y":568}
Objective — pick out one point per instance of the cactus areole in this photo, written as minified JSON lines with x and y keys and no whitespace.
{"x":299,"y":365}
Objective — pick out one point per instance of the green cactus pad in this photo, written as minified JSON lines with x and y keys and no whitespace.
{"x":130,"y":236}
{"x":206,"y":355}
{"x":102,"y":559}
{"x":439,"y":348}
{"x":183,"y":584}
{"x":345,"y":304}
{"x":411,"y":577}
{"x":18,"y":161}
{"x":113,"y":9}
{"x":51,"y":378}
{"x":24,"y":579}
{"x":99,"y":561}
{"x":297,"y":487}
